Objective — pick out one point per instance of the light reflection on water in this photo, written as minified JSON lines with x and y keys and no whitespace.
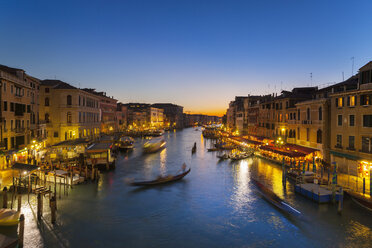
{"x":214,"y":206}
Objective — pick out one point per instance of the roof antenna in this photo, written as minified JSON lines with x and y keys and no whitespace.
{"x":352,"y":66}
{"x":343,"y":78}
{"x":311,"y":79}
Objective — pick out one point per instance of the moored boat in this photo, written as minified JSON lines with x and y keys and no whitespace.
{"x":364,"y":201}
{"x":275,"y":200}
{"x":8,"y":217}
{"x":162,"y":179}
{"x":154,"y":145}
{"x":126,"y":143}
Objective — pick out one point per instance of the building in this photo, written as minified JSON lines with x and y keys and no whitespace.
{"x":143,"y":115}
{"x":68,"y":112}
{"x":173,"y":114}
{"x":191,"y":120}
{"x":18,"y":108}
{"x":108,"y":108}
{"x":351,"y":123}
{"x":121,"y":116}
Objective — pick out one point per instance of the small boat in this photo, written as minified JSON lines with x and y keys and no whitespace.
{"x":154,"y":145}
{"x":364,"y":201}
{"x":275,"y":200}
{"x":224,"y":156}
{"x":241,"y":155}
{"x":213,"y":149}
{"x":162,"y":180}
{"x":294,"y":175}
{"x":8,"y":217}
{"x":193,"y":150}
{"x":126,"y":143}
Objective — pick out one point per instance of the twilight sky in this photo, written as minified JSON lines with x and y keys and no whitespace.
{"x":198,"y":54}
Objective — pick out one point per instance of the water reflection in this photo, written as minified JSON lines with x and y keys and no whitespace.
{"x":241,"y":193}
{"x":163,"y":162}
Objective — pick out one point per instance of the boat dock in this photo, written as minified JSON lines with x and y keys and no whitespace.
{"x":316,"y":192}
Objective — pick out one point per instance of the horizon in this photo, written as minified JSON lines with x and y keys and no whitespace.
{"x":196,"y":55}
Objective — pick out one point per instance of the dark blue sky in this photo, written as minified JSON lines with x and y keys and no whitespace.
{"x":198,"y":54}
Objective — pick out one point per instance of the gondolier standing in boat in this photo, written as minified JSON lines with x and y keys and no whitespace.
{"x":184,"y":167}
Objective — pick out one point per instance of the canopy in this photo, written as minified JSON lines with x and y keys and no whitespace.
{"x":282,"y":152}
{"x":25,"y":169}
{"x":99,"y":147}
{"x":75,"y":142}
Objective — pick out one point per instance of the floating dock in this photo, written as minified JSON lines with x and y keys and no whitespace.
{"x":316,"y":192}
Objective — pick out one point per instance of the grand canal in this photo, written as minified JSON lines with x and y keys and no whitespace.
{"x":216,"y":205}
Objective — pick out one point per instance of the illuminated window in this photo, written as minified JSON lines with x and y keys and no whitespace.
{"x":69,"y":117}
{"x":352,"y":101}
{"x":340,"y":102}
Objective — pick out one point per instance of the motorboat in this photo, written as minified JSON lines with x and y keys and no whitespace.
{"x":154,"y":145}
{"x":126,"y":143}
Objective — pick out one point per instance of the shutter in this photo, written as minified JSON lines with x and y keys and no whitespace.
{"x":348,"y":101}
{"x":336,"y":102}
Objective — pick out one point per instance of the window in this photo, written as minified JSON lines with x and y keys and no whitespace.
{"x":299,"y":114}
{"x":79,"y":116}
{"x":308,"y":114}
{"x":319,"y":134}
{"x":320,"y":113}
{"x":298,"y":133}
{"x":28,"y":108}
{"x":69,"y":117}
{"x":11,"y":89}
{"x":367,"y":120}
{"x":12,"y":106}
{"x":351,"y":120}
{"x":46,"y":101}
{"x":339,"y":141}
{"x":352,"y":142}
{"x":351,"y":101}
{"x":365,"y":77}
{"x":339,"y":120}
{"x":55,"y":135}
{"x":69,"y":100}
{"x":5,"y":106}
{"x":307,"y":134}
{"x":47,"y":118}
{"x":4,"y":121}
{"x":11,"y":124}
{"x":365,"y":99}
{"x":46,"y":90}
{"x":366,"y":144}
{"x":4,"y":87}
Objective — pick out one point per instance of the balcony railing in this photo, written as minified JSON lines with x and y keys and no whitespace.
{"x":18,"y":130}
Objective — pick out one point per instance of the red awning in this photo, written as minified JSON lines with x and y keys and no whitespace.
{"x":303,"y":149}
{"x":283,"y":152}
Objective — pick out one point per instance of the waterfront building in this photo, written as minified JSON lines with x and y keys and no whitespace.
{"x":68,"y":112}
{"x":236,"y":114}
{"x":351,"y":123}
{"x":108,"y":108}
{"x":191,"y":120}
{"x":122,"y":115}
{"x":143,"y":115}
{"x":18,"y":108}
{"x":173,"y":114}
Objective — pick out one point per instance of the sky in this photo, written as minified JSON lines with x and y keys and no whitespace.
{"x":197,"y":54}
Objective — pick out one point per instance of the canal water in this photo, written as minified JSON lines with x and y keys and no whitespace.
{"x":216,"y":205}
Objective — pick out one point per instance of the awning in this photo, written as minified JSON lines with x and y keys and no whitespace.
{"x":74,"y":142}
{"x":99,"y":147}
{"x":282,"y":152}
{"x":303,"y":149}
{"x":25,"y":169}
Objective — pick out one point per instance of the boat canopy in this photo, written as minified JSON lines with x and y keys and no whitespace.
{"x":25,"y":169}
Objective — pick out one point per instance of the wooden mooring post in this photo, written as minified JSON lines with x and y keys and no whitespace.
{"x":53,"y":208}
{"x":5,"y":198}
{"x":21,"y":231}
{"x":39,"y":206}
{"x":19,"y":203}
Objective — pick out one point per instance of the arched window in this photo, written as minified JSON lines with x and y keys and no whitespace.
{"x":69,"y":117}
{"x":294,"y":133}
{"x":320,"y":112}
{"x":298,"y":115}
{"x":46,"y":101}
{"x":69,"y":100}
{"x":319,"y":136}
{"x":47,"y":118}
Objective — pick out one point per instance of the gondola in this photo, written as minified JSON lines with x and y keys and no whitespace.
{"x":9,"y":217}
{"x":275,"y":200}
{"x":364,"y":201}
{"x":162,"y":180}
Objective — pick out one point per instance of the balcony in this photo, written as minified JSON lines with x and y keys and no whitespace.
{"x":18,"y":130}
{"x":365,"y":151}
{"x":338,"y":146}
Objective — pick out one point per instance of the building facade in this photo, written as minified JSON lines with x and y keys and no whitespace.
{"x":173,"y":114}
{"x":68,"y":112}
